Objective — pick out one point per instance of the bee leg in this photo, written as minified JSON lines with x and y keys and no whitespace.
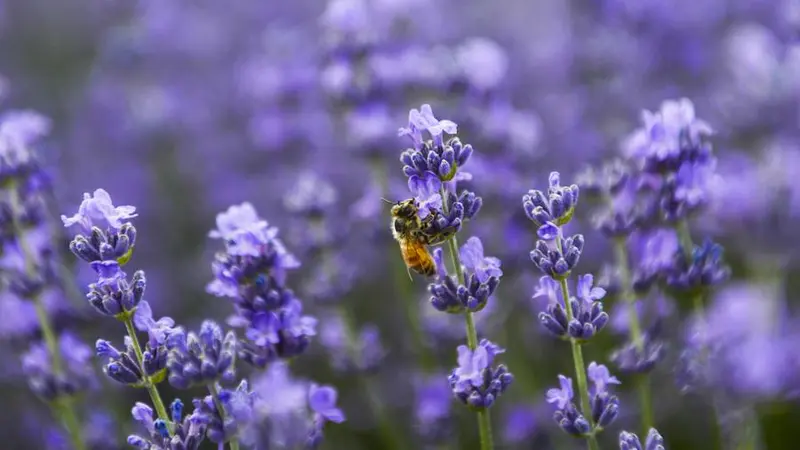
{"x":409,"y":274}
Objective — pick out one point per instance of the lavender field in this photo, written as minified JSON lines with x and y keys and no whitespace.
{"x":400,"y":224}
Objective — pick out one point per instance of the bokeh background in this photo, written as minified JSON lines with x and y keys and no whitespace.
{"x":184,"y":107}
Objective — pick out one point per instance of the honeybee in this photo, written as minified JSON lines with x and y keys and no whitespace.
{"x":407,"y":231}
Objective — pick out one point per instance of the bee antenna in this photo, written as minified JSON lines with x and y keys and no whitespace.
{"x":388,"y":201}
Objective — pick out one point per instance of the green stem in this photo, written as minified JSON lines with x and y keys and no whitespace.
{"x":234,"y":442}
{"x":685,"y":238}
{"x":580,"y":368}
{"x":148,"y":383}
{"x":484,"y":420}
{"x":64,"y":407}
{"x":627,"y":294}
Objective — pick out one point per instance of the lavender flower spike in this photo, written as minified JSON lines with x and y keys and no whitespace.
{"x":474,"y":381}
{"x":630,"y":441}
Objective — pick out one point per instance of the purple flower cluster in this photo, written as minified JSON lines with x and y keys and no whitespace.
{"x":630,"y":441}
{"x":434,"y":167}
{"x":588,"y":317}
{"x":252,"y":273}
{"x":189,"y":431}
{"x":201,"y":358}
{"x":604,"y":405}
{"x":289,"y":412}
{"x":475,"y":382}
{"x":482,"y":275}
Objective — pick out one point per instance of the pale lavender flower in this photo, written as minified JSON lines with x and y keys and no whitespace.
{"x":562,"y":396}
{"x":98,"y":210}
{"x":472,"y":257}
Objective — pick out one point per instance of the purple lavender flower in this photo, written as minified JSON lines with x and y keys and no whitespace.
{"x":75,"y":375}
{"x":288,"y":412}
{"x":484,"y":267}
{"x":449,"y":296}
{"x":322,"y":400}
{"x":703,"y":270}
{"x":552,"y":259}
{"x":475,"y":382}
{"x":588,"y":316}
{"x":99,"y":210}
{"x":434,"y":157}
{"x":556,"y":207}
{"x":188,"y":435}
{"x":202,"y":358}
{"x":253,"y":277}
{"x":562,"y":396}
{"x":662,"y":140}
{"x":238,"y":412}
{"x":604,"y":405}
{"x":123,"y":366}
{"x":630,"y":441}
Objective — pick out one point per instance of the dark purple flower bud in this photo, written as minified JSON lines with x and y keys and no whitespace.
{"x":188,"y":432}
{"x":703,"y":270}
{"x":200,"y":359}
{"x":238,"y":405}
{"x":630,"y":359}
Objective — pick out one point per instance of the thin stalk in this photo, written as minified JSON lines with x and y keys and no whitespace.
{"x":148,"y":383}
{"x":580,"y":368}
{"x":64,"y":407}
{"x":386,"y":426}
{"x":484,"y":420}
{"x":627,"y":294}
{"x":234,"y":442}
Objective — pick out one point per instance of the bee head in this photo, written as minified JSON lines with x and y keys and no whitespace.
{"x":405,"y":209}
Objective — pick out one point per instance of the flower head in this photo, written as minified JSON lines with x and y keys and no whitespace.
{"x":563,"y":395}
{"x":99,"y":210}
{"x":322,"y":400}
{"x":474,"y":381}
{"x":200,"y":358}
{"x":600,"y":376}
{"x":484,"y":267}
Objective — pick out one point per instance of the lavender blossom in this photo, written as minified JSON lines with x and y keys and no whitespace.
{"x":588,"y":316}
{"x":482,"y":274}
{"x":604,"y":405}
{"x":189,"y":431}
{"x":202,"y":358}
{"x":74,"y":376}
{"x":556,"y":207}
{"x":238,"y":412}
{"x":475,"y":382}
{"x":252,"y":273}
{"x":630,"y":441}
{"x":289,"y":412}
{"x":702,"y":271}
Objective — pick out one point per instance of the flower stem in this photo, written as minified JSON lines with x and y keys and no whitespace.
{"x":484,"y":420}
{"x":580,"y":368}
{"x":234,"y":442}
{"x":685,"y":238}
{"x":64,"y":407}
{"x":627,"y":294}
{"x":148,"y":383}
